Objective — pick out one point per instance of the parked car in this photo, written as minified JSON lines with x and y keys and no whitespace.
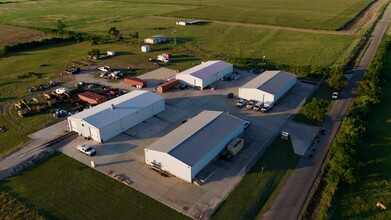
{"x":250,"y":104}
{"x":225,"y":154}
{"x":335,"y":95}
{"x":258,"y":106}
{"x":86,"y":149}
{"x":241,"y":103}
{"x":266,"y":107}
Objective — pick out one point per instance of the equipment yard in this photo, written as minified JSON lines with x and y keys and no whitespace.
{"x":124,"y":154}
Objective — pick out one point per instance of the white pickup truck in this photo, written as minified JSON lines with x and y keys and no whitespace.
{"x":86,"y":149}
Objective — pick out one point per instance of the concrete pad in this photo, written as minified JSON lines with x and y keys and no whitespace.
{"x":301,"y":136}
{"x":155,"y":77}
{"x":52,"y":132}
{"x":124,"y":154}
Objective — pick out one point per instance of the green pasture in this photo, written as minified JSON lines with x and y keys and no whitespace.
{"x":63,"y":188}
{"x":252,"y":197}
{"x":316,"y":14}
{"x":358,"y":201}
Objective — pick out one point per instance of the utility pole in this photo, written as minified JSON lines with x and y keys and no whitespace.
{"x":174,"y":31}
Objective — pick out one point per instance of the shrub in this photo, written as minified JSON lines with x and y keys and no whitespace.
{"x":316,"y":109}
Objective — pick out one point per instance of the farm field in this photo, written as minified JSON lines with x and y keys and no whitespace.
{"x":63,"y":188}
{"x":317,"y":14}
{"x":374,"y":164}
{"x":11,"y":35}
{"x":254,"y":194}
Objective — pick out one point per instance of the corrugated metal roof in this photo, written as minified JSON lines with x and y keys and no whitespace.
{"x":102,"y":115}
{"x":193,"y":140}
{"x":207,"y":69}
{"x":271,"y":81}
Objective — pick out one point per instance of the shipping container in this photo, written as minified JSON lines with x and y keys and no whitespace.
{"x":167,"y":86}
{"x":92,"y":98}
{"x":135,"y":82}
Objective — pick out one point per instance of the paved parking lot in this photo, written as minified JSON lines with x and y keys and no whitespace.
{"x":124,"y":154}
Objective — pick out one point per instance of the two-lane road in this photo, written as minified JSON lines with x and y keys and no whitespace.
{"x":290,"y":201}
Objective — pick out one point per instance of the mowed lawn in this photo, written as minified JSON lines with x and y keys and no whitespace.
{"x":63,"y":188}
{"x":253,"y":195}
{"x":315,"y":14}
{"x":374,"y":168}
{"x":11,"y":208}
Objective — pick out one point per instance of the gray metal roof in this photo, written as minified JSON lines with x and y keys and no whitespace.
{"x":271,"y":81}
{"x":101,"y":115}
{"x":196,"y":138}
{"x":207,"y":69}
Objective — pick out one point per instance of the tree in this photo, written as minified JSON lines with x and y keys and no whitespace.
{"x":316,"y":109}
{"x":94,"y":53}
{"x":60,"y":27}
{"x":114,"y":32}
{"x":337,"y":80}
{"x":134,"y":37}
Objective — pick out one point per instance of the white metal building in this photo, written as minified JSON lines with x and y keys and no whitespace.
{"x":110,"y":118}
{"x":185,"y":151}
{"x":268,"y":87}
{"x":205,"y":74}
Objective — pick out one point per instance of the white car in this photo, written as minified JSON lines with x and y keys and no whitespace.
{"x":250,"y":104}
{"x":241,"y":103}
{"x":86,"y":149}
{"x":335,"y":95}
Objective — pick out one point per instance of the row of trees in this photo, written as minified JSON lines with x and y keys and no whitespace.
{"x":341,"y":164}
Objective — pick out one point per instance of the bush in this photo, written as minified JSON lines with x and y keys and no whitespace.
{"x":337,"y":80}
{"x":316,"y":109}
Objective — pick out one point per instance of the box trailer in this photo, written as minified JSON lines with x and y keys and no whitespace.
{"x":135,"y":82}
{"x":167,"y":85}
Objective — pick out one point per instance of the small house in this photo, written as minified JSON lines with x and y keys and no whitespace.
{"x":155,"y":39}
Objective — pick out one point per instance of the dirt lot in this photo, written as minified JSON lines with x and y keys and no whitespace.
{"x":11,"y":35}
{"x":124,"y":154}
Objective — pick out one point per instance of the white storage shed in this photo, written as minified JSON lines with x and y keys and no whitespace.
{"x":110,"y":118}
{"x":205,"y":74}
{"x":268,"y":87}
{"x":185,"y":151}
{"x":146,"y":48}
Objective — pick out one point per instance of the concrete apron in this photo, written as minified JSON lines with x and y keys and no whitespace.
{"x":301,"y":135}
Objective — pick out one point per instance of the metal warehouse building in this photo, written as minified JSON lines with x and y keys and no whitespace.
{"x":268,"y":87}
{"x":185,"y":151}
{"x":109,"y":119}
{"x":205,"y":74}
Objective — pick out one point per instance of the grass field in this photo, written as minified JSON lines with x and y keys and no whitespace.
{"x":287,"y":47}
{"x":316,"y":14}
{"x":374,"y":165}
{"x":253,"y":195}
{"x":10,"y":208}
{"x":63,"y":188}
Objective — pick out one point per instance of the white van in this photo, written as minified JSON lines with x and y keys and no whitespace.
{"x":258,"y":106}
